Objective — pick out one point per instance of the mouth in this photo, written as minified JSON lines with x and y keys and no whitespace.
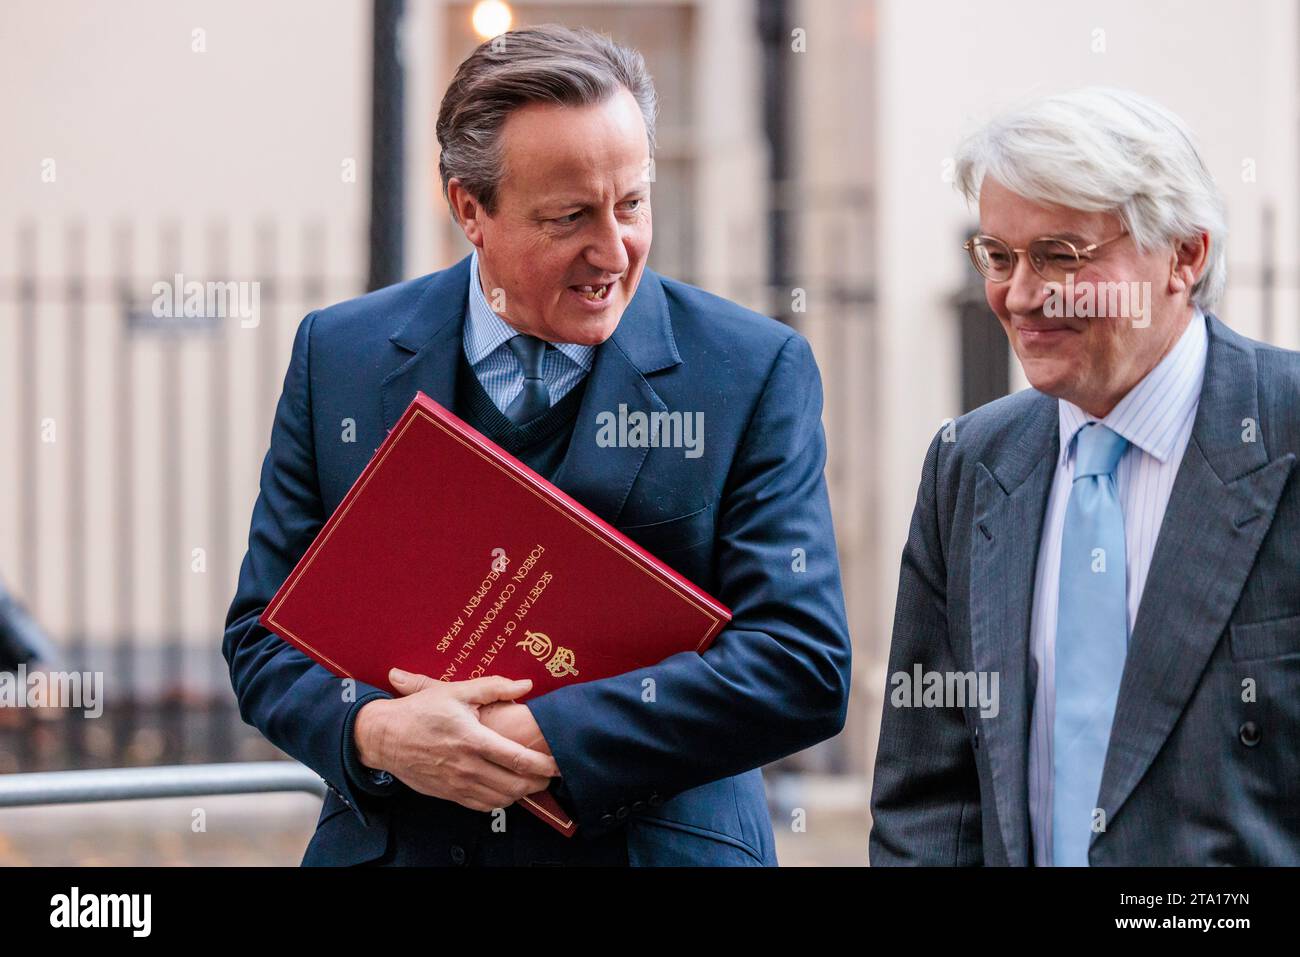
{"x":1031,"y":335}
{"x":593,"y":293}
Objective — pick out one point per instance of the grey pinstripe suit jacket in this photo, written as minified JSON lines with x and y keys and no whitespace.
{"x":1203,"y":765}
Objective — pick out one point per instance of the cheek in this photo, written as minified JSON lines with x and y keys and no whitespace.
{"x":637,"y":241}
{"x":995,"y":293}
{"x":1103,"y":345}
{"x":1092,"y":277}
{"x":548,"y":270}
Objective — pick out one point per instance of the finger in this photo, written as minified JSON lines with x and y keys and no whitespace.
{"x":505,"y":782}
{"x":488,"y":799}
{"x":466,"y":788}
{"x":513,"y":756}
{"x":473,"y":803}
{"x":407,"y":683}
{"x":492,"y":688}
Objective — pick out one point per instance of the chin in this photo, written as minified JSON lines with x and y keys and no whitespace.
{"x":587,"y":330}
{"x":1047,"y":376}
{"x":595,"y":337}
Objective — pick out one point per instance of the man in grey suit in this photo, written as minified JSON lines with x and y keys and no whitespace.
{"x":1114,"y":553}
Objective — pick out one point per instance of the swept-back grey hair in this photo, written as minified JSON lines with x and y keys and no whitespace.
{"x":1106,"y":150}
{"x":545,"y":64}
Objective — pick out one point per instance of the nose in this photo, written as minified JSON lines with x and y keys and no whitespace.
{"x":606,"y":251}
{"x":1026,"y":290}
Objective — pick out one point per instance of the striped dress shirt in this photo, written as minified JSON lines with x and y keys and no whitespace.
{"x":497,"y":367}
{"x":1156,"y":417}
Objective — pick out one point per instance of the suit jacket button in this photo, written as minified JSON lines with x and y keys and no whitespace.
{"x":638,"y":805}
{"x":655,"y":800}
{"x":607,"y":819}
{"x":622,"y":813}
{"x":457,"y":854}
{"x":1249,"y":733}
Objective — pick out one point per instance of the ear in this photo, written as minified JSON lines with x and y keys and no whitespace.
{"x":468,"y":211}
{"x":1188,"y":262}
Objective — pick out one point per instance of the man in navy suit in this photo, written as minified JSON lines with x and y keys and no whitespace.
{"x":552,"y":329}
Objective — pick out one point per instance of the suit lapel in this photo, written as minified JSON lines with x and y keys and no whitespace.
{"x":1011,"y":493}
{"x":1220,"y":508}
{"x":600,"y":477}
{"x":429,"y":338}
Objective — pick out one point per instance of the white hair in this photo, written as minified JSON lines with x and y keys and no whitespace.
{"x":1105,"y":150}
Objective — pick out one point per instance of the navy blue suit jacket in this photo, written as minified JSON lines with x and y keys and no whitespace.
{"x":679,"y":774}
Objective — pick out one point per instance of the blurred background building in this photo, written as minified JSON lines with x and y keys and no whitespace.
{"x":803,"y":169}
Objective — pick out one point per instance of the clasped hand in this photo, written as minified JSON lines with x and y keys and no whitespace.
{"x":463,"y":741}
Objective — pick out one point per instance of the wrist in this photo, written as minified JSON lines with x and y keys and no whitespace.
{"x":370,"y":733}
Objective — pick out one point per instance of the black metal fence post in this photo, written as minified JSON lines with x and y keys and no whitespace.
{"x":387,"y":163}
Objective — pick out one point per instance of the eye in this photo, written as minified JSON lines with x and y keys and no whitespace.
{"x":1057,"y":254}
{"x":568,"y":220}
{"x":634,"y":204}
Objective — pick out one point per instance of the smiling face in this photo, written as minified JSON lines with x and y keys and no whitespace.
{"x":562,"y":254}
{"x":1092,"y":362}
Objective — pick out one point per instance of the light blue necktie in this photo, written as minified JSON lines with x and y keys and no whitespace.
{"x":1091,"y":640}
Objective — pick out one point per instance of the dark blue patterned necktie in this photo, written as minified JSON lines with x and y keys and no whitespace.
{"x":535,"y":398}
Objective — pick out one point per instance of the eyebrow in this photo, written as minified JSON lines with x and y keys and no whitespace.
{"x":562,"y":201}
{"x":1075,"y":238}
{"x":580,"y":202}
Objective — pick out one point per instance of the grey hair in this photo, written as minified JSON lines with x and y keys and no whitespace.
{"x":545,"y":64}
{"x":1106,"y":150}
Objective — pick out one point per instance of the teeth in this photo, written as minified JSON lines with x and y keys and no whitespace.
{"x":594,"y":293}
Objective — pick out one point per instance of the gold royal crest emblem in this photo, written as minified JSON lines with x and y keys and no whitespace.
{"x":538,"y":645}
{"x":561,"y":663}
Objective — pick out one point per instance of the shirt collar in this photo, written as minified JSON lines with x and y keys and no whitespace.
{"x":485,"y":331}
{"x":1151,"y":414}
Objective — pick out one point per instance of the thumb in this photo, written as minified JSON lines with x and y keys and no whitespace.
{"x":407,"y":683}
{"x":493,"y":688}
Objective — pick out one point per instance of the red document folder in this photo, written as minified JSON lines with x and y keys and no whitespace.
{"x":449,"y":557}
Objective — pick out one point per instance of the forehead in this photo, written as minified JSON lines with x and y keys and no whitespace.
{"x":1016,"y":219}
{"x":551,"y":149}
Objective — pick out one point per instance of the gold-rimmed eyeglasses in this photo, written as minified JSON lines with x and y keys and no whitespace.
{"x":1051,"y":257}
